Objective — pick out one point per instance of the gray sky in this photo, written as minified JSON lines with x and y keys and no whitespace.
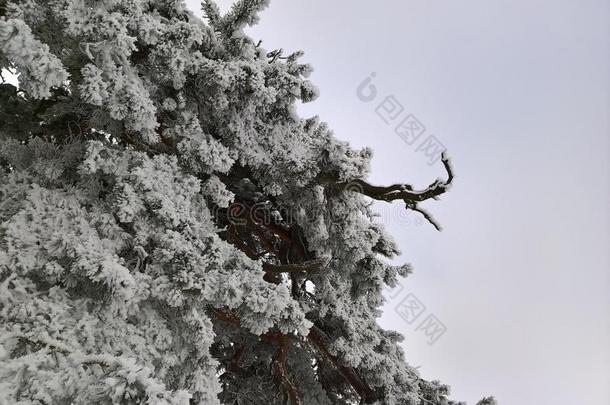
{"x":519,"y":93}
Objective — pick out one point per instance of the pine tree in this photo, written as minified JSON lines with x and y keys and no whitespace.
{"x":171,"y":232}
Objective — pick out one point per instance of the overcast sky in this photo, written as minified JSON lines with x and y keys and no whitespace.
{"x":519,"y":94}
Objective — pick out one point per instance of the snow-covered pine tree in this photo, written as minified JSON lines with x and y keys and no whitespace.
{"x":171,"y":231}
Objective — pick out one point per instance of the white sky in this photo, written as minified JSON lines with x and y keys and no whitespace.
{"x":519,"y":93}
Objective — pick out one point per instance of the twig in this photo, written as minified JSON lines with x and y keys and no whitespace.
{"x":426,"y":215}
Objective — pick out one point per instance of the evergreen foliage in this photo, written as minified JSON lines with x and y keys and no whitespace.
{"x":171,"y":232}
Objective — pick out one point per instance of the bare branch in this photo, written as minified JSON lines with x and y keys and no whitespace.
{"x":403,"y":192}
{"x":426,"y":215}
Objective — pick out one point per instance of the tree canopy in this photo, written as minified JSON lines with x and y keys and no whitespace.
{"x":172,"y":232}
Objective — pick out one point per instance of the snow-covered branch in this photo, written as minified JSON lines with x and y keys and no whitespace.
{"x":318,"y":342}
{"x":367,"y":395}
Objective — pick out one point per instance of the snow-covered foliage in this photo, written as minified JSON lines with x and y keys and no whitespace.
{"x":171,"y":232}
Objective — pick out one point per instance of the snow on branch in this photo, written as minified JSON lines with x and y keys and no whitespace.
{"x":316,"y":338}
{"x":212,"y":12}
{"x":243,"y":13}
{"x":367,"y":395}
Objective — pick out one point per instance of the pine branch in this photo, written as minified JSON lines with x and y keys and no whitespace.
{"x":367,"y":395}
{"x":404,"y":192}
{"x":316,"y":339}
{"x":280,"y":370}
{"x":236,"y":240}
{"x":47,"y":342}
{"x":212,"y":12}
{"x":10,"y":198}
{"x":279,"y":363}
{"x":243,"y":12}
{"x":285,"y":236}
{"x":226,"y":316}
